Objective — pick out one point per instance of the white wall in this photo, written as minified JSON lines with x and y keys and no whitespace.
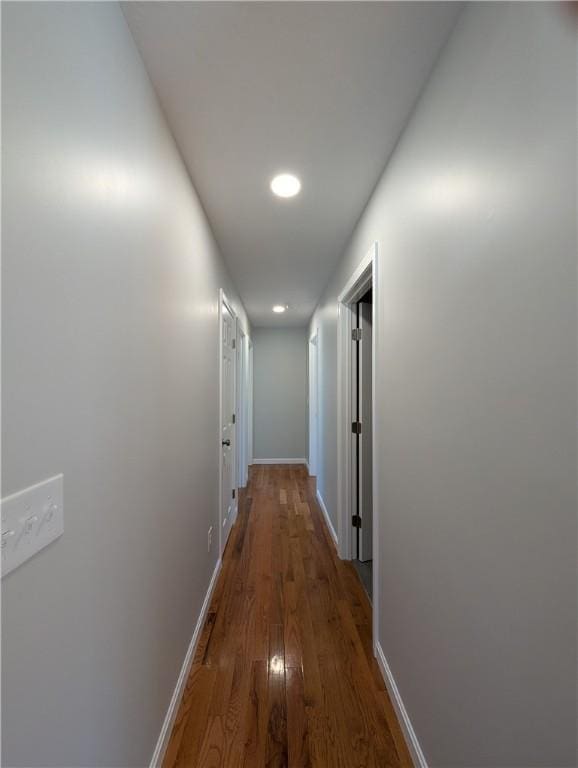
{"x":476,"y":383}
{"x":280,"y":393}
{"x":110,"y":375}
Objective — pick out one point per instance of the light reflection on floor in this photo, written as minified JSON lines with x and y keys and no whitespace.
{"x":276,"y":665}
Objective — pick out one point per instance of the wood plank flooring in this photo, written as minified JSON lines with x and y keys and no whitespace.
{"x":284,"y":674}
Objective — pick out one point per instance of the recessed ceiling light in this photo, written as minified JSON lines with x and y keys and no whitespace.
{"x":279,"y":308}
{"x":285,"y":185}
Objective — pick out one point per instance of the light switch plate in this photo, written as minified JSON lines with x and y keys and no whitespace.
{"x":31,"y":519}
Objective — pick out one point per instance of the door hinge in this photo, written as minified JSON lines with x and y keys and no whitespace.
{"x":356,"y":427}
{"x":234,"y":343}
{"x":234,"y":417}
{"x":356,"y":521}
{"x":357,"y":334}
{"x":234,"y":493}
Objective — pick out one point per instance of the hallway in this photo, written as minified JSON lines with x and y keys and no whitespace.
{"x":288,"y":630}
{"x":289,"y":384}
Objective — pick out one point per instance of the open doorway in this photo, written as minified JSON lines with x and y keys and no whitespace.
{"x":313,"y":404}
{"x":242,"y":411}
{"x":362,"y":436}
{"x":247,"y":407}
{"x":358,"y":520}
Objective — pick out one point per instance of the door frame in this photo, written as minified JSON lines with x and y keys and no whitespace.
{"x":313,"y":368}
{"x":223,"y":300}
{"x":364,"y":276}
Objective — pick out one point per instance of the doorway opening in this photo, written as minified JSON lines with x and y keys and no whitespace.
{"x":242,"y":410}
{"x":357,"y":438}
{"x":313,"y":404}
{"x":361,"y":405}
{"x":250,"y":406}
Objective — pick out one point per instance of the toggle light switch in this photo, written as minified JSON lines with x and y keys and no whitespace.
{"x":29,"y":524}
{"x":31,"y":519}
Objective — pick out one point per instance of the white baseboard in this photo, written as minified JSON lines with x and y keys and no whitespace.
{"x":165,"y":734}
{"x":279,"y":461}
{"x":400,"y":710}
{"x":327,"y":518}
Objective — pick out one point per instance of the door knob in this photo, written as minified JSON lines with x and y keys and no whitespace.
{"x":225,"y":442}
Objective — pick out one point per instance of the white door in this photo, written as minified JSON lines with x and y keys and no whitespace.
{"x":228,"y":491}
{"x":365,"y":438}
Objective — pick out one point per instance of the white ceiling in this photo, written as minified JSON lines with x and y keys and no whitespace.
{"x":319,"y":89}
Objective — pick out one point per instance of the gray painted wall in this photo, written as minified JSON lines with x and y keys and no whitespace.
{"x":110,"y":375}
{"x":280,"y":393}
{"x":476,"y":379}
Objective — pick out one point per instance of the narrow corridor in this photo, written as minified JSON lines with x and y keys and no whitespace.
{"x":245,"y":244}
{"x":284,"y":672}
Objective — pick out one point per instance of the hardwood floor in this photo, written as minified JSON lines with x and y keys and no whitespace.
{"x":284,"y":673}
